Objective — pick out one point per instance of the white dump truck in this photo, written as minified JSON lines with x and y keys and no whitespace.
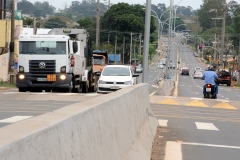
{"x":60,"y":61}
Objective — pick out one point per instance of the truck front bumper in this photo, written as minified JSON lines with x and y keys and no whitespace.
{"x":41,"y":81}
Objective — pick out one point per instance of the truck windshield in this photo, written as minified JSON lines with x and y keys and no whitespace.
{"x":42,"y":47}
{"x":99,"y":60}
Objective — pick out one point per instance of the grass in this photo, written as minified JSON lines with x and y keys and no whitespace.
{"x":237,"y":85}
{"x":6,"y":84}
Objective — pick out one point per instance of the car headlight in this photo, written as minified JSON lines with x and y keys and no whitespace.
{"x":63,"y":77}
{"x":63,"y":69}
{"x":128,"y":82}
{"x":101,"y":82}
{"x":21,"y":76}
{"x":21,"y":69}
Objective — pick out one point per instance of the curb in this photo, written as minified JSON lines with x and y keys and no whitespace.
{"x":4,"y":88}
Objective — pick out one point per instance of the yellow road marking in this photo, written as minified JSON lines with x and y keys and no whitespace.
{"x":169,"y":101}
{"x":196,"y":103}
{"x":224,"y":105}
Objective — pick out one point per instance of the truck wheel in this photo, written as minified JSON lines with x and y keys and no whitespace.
{"x":85,"y":88}
{"x":74,"y":88}
{"x":21,"y":90}
{"x":94,"y":88}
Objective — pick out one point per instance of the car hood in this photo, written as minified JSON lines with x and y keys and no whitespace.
{"x":115,"y":78}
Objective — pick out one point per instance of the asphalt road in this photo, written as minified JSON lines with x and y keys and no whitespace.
{"x":198,"y":133}
{"x":189,"y":87}
{"x":194,"y":128}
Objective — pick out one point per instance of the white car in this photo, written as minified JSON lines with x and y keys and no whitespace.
{"x":198,"y":69}
{"x":197,"y":74}
{"x":115,"y":77}
{"x":159,"y":66}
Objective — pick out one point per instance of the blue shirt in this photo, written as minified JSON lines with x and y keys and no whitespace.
{"x":209,"y":77}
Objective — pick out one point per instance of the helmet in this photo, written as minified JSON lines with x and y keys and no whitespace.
{"x":210,"y":68}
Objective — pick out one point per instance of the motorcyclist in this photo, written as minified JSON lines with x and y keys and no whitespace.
{"x":209,"y":76}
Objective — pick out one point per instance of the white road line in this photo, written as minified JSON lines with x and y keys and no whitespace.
{"x":66,"y":94}
{"x":196,"y":98}
{"x":227,"y":98}
{"x":154,"y":86}
{"x":206,"y":126}
{"x":211,"y":145}
{"x":222,"y":100}
{"x":39,"y":93}
{"x":10,"y":92}
{"x":14,"y":119}
{"x":169,"y":97}
{"x":152,"y":93}
{"x":162,"y":122}
{"x":92,"y":94}
{"x":173,"y":151}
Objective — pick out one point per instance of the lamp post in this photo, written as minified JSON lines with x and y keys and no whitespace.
{"x":146,"y":40}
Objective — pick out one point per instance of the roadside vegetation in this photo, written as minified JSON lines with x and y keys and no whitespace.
{"x":6,"y":84}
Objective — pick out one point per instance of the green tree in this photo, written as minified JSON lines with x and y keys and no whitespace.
{"x":26,"y":7}
{"x":28,"y":21}
{"x":85,"y":23}
{"x":43,"y":8}
{"x":55,"y":23}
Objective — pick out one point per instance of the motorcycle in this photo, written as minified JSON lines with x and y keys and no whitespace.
{"x":210,"y":91}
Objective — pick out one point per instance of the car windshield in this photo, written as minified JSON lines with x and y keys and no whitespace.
{"x":42,"y":47}
{"x":99,"y":60}
{"x":116,"y":71}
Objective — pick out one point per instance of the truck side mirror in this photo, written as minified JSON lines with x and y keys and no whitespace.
{"x":11,"y":46}
{"x":75,"y":47}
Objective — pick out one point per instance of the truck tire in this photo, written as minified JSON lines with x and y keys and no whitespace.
{"x":21,"y":90}
{"x":94,"y":88}
{"x":74,"y":88}
{"x":84,"y":87}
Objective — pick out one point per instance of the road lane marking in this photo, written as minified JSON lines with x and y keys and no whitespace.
{"x":162,"y":122}
{"x":14,"y":119}
{"x":224,"y":105}
{"x":206,"y":126}
{"x":211,"y":145}
{"x":66,"y":94}
{"x":10,"y":92}
{"x":196,"y":103}
{"x":168,"y":101}
{"x":196,"y":98}
{"x":173,"y":151}
{"x":222,"y":100}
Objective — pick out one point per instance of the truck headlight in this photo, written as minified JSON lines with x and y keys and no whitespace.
{"x":21,"y":69}
{"x":128,"y":82}
{"x":62,"y":77}
{"x":101,"y":82}
{"x":63,"y":69}
{"x":21,"y":76}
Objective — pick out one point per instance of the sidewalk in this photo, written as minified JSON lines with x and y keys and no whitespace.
{"x":4,"y":88}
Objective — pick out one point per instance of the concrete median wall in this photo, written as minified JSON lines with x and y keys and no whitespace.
{"x":115,"y":126}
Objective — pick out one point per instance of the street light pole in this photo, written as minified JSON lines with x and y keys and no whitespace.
{"x":131,"y":49}
{"x":223,"y":31}
{"x":146,"y":40}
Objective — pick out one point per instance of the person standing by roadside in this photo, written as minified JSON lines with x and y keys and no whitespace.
{"x":15,"y":65}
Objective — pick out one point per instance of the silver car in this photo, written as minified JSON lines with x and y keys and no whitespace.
{"x":160,"y":66}
{"x":139,"y":69}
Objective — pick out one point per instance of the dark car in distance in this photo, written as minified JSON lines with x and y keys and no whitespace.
{"x":224,"y":77}
{"x":184,"y":71}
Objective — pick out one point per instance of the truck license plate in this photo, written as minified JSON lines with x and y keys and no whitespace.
{"x":41,"y":79}
{"x":114,"y":87}
{"x":208,"y":89}
{"x":51,"y":77}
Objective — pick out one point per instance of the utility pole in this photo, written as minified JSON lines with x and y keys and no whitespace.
{"x":11,"y":56}
{"x":115,"y":49}
{"x":123,"y":48}
{"x":239,"y":61}
{"x":169,"y":37}
{"x":146,"y":41}
{"x":140,"y":36}
{"x":34,"y":26}
{"x":223,"y":30}
{"x":5,"y":9}
{"x":134,"y":53}
{"x":108,"y":37}
{"x":1,"y":9}
{"x":97,"y":23}
{"x":131,"y":49}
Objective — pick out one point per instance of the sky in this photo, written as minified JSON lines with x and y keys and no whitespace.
{"x":195,"y":4}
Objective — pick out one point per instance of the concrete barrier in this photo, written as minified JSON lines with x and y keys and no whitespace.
{"x":115,"y":126}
